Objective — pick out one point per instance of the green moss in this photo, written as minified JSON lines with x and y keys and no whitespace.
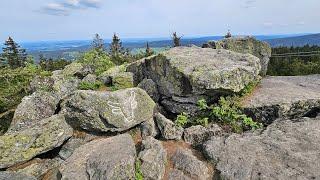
{"x":90,"y":86}
{"x":123,"y":80}
{"x":138,"y":173}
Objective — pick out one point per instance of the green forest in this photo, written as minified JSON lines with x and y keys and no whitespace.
{"x":294,"y":61}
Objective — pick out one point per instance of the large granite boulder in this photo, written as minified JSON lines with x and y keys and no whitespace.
{"x":109,"y":158}
{"x":284,"y":97}
{"x":108,"y":111}
{"x":250,"y":45}
{"x":285,"y":150}
{"x":191,"y":72}
{"x":153,"y":159}
{"x":20,"y":145}
{"x":35,"y":107}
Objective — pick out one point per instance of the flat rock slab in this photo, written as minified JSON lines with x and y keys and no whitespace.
{"x":285,"y":150}
{"x":284,"y":97}
{"x":109,"y":158}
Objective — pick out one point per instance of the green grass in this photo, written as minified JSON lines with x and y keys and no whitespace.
{"x":90,"y":86}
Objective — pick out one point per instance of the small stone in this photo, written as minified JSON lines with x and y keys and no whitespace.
{"x":167,"y":128}
{"x":196,"y":135}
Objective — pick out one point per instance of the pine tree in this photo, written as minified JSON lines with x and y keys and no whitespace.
{"x":13,"y":55}
{"x":98,"y":43}
{"x":176,"y":39}
{"x":149,"y":51}
{"x":118,"y":53}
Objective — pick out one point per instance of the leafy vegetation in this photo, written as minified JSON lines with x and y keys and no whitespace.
{"x":49,"y":64}
{"x":294,"y":65}
{"x":138,"y":173}
{"x":227,"y":112}
{"x":14,"y":84}
{"x":90,"y":86}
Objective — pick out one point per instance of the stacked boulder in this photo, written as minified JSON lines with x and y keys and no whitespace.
{"x":250,"y":45}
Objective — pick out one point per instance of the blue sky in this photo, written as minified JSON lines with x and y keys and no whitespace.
{"x":33,"y":20}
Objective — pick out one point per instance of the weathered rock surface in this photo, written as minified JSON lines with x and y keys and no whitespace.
{"x":250,"y":45}
{"x":284,"y":97}
{"x":108,"y":111}
{"x":110,"y":158}
{"x":37,"y":167}
{"x":40,"y":83}
{"x":90,"y":78}
{"x":20,"y":145}
{"x":149,"y":128}
{"x":77,"y":69}
{"x":196,"y":135}
{"x":151,"y":88}
{"x":177,"y":175}
{"x":192,"y":71}
{"x":285,"y":150}
{"x":167,"y":128}
{"x":106,"y":77}
{"x":123,"y":80}
{"x":153,"y":158}
{"x":7,"y":175}
{"x":185,"y":161}
{"x":35,"y":107}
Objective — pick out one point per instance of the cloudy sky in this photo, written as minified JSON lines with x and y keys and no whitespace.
{"x":33,"y":20}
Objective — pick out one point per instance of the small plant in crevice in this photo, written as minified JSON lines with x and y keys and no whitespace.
{"x":138,"y":173}
{"x":228,"y":112}
{"x":182,"y":120}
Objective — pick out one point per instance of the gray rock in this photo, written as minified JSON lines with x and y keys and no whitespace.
{"x":122,"y":80}
{"x":77,"y":69}
{"x":149,"y":128}
{"x":20,"y":145}
{"x":151,"y":88}
{"x":153,"y":158}
{"x":250,"y":45}
{"x":192,"y":71}
{"x":8,"y":175}
{"x":110,"y":158}
{"x":285,"y":150}
{"x":185,"y":161}
{"x":35,"y":107}
{"x":90,"y":78}
{"x":177,"y":175}
{"x":167,"y":128}
{"x":64,"y":86}
{"x":176,"y":107}
{"x":40,"y":83}
{"x":106,"y":77}
{"x":196,"y":135}
{"x":284,"y":97}
{"x":38,"y":167}
{"x":108,"y":111}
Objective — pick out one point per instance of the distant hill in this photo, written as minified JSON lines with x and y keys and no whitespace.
{"x":312,"y":39}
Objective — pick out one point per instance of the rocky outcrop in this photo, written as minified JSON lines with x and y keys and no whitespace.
{"x":35,"y":107}
{"x":110,"y":158}
{"x":108,"y":111}
{"x":250,"y":45}
{"x":196,"y":135}
{"x":189,"y":72}
{"x":20,"y":145}
{"x":153,"y":159}
{"x":285,"y":150}
{"x":284,"y":97}
{"x":90,"y":78}
{"x":186,"y":162}
{"x":167,"y":128}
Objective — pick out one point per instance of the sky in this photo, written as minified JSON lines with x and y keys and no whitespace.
{"x":40,"y":20}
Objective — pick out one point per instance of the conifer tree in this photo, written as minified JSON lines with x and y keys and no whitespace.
{"x":118,"y":53}
{"x":228,"y":35}
{"x":176,"y":39}
{"x":98,"y":43}
{"x":13,"y":55}
{"x":149,"y":51}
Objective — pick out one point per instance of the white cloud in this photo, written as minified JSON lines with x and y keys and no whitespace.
{"x":65,"y":7}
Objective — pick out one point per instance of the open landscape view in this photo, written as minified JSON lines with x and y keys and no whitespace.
{"x":159,"y":89}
